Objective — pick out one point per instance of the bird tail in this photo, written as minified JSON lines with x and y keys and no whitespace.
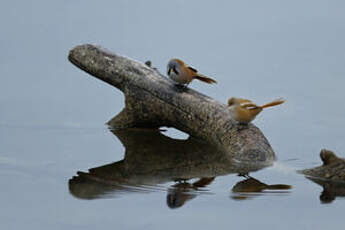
{"x":279,"y":187}
{"x":273,"y":103}
{"x":205,"y":79}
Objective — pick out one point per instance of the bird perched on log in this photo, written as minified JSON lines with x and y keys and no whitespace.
{"x":244,"y":110}
{"x":184,"y":74}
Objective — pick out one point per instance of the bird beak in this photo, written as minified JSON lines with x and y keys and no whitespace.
{"x":169,"y":71}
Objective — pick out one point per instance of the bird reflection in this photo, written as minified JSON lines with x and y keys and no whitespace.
{"x":152,"y":159}
{"x":181,"y":192}
{"x":251,"y":187}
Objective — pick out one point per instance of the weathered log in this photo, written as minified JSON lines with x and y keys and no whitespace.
{"x":332,"y":170}
{"x":153,"y":100}
{"x":330,"y":175}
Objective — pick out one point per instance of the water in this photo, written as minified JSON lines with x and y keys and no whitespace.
{"x":52,"y":114}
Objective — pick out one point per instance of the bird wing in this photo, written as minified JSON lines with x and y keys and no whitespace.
{"x":192,"y":69}
{"x":249,"y":105}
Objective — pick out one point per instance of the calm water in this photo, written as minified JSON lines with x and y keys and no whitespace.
{"x":52,"y":114}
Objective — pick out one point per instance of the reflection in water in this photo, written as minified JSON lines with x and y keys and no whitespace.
{"x":152,"y":158}
{"x":181,"y":192}
{"x":253,"y":187}
{"x":330,"y":176}
{"x":331,"y":189}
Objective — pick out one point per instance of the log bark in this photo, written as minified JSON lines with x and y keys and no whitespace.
{"x":153,"y":100}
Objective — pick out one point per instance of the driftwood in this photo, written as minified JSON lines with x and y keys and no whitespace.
{"x":332,"y":169}
{"x":330,"y":175}
{"x":153,"y":100}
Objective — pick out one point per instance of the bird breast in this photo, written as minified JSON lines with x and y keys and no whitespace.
{"x":181,"y":77}
{"x":241,"y":114}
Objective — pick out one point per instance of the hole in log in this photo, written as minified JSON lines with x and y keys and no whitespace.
{"x":174,"y":133}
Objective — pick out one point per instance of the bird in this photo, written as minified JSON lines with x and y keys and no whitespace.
{"x":245,"y":111}
{"x":183,"y":74}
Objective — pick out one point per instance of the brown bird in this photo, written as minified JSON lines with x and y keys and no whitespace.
{"x":244,"y":110}
{"x":184,"y":74}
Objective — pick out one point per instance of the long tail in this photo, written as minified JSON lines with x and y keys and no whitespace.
{"x":273,"y":103}
{"x":279,"y":187}
{"x":205,"y":79}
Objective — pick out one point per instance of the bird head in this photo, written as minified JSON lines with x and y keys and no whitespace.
{"x":233,"y":101}
{"x":174,"y":66}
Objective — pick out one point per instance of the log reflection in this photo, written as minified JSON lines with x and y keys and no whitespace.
{"x":331,"y":189}
{"x":151,"y":159}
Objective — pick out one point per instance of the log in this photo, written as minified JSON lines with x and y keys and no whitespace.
{"x":332,"y":169}
{"x":153,"y":100}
